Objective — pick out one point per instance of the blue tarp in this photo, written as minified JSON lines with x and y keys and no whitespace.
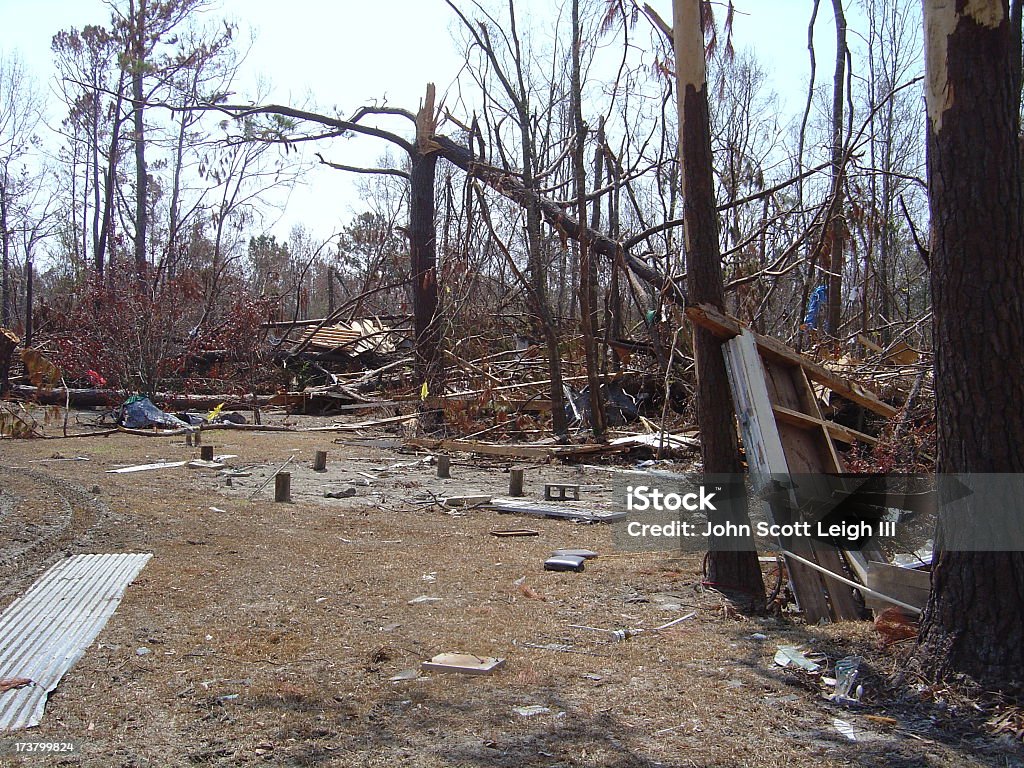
{"x":139,"y":412}
{"x":816,"y":307}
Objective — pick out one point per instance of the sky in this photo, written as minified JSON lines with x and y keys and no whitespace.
{"x":346,"y":53}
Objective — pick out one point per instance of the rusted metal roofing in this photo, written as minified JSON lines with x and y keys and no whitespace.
{"x":354,"y":338}
{"x":44,"y":632}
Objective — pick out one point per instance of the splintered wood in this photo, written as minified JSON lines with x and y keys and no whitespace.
{"x":785,"y":433}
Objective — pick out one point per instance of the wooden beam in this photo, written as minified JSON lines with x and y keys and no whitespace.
{"x":727,"y":327}
{"x":835,"y":431}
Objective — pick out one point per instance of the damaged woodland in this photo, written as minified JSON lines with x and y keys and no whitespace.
{"x":620,"y":412}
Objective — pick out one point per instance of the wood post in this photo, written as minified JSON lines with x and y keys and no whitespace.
{"x":320,"y":461}
{"x":515,"y":482}
{"x":283,"y":487}
{"x":206,"y":452}
{"x":188,"y":439}
{"x":198,"y":437}
{"x":444,"y":466}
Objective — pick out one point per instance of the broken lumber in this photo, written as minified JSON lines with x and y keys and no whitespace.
{"x":906,"y":584}
{"x":727,"y":327}
{"x":91,"y":397}
{"x":516,"y":451}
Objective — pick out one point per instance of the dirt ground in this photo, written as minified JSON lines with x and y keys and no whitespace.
{"x":272,"y":631}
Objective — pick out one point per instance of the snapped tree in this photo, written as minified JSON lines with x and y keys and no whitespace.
{"x":719,"y":446}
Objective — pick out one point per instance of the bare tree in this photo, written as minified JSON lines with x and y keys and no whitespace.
{"x":20,"y":115}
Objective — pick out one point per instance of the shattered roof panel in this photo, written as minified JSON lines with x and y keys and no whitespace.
{"x":354,"y":339}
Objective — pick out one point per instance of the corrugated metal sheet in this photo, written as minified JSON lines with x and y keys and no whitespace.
{"x":354,"y":339}
{"x":44,"y":632}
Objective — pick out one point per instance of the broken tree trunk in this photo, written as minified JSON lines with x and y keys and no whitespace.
{"x":429,"y":357}
{"x":719,"y":448}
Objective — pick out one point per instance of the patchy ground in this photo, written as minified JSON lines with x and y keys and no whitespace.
{"x":272,"y":630}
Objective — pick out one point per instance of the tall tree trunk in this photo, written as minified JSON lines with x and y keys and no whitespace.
{"x":5,"y":250}
{"x":974,"y":622}
{"x":835,"y":220}
{"x":141,"y":178}
{"x":109,"y":180}
{"x":719,"y":445}
{"x":588,"y":265}
{"x":29,"y":286}
{"x":429,"y":363}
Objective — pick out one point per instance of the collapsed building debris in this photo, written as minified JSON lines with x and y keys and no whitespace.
{"x":784,"y":434}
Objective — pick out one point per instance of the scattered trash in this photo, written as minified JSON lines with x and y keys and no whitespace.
{"x":143,"y":651}
{"x":529,"y":592}
{"x":532,"y":710}
{"x":13,"y":683}
{"x":882,"y":720}
{"x":675,"y":621}
{"x":346,"y":493}
{"x":466,"y":501}
{"x":759,"y":636}
{"x":567,"y":563}
{"x":146,"y":467}
{"x":425,"y":599}
{"x":621,"y":635}
{"x":894,"y":625}
{"x":219,"y":510}
{"x":586,"y":554}
{"x":203,"y":464}
{"x":464,"y":663}
{"x":139,"y":412}
{"x":845,"y":729}
{"x":404,"y":675}
{"x":430,"y":578}
{"x":846,"y":675}
{"x":514,"y":532}
{"x":791,"y":654}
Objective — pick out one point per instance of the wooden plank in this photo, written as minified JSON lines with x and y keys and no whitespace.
{"x":812,"y":455}
{"x":905,"y":584}
{"x":753,"y":407}
{"x":727,"y":327}
{"x":522,"y":451}
{"x":767,"y":457}
{"x":835,"y":431}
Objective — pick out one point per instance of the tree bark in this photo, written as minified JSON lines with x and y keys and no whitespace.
{"x":836,"y":224}
{"x":974,"y":621}
{"x":141,"y":178}
{"x":588,"y":266}
{"x":719,"y":447}
{"x":5,"y":255}
{"x":429,"y":362}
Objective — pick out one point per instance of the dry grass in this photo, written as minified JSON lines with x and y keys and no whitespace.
{"x":274,"y":629}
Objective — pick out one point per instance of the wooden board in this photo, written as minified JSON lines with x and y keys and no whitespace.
{"x":727,"y":327}
{"x":520,"y":451}
{"x":464,"y":663}
{"x":775,"y":448}
{"x":906,"y":584}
